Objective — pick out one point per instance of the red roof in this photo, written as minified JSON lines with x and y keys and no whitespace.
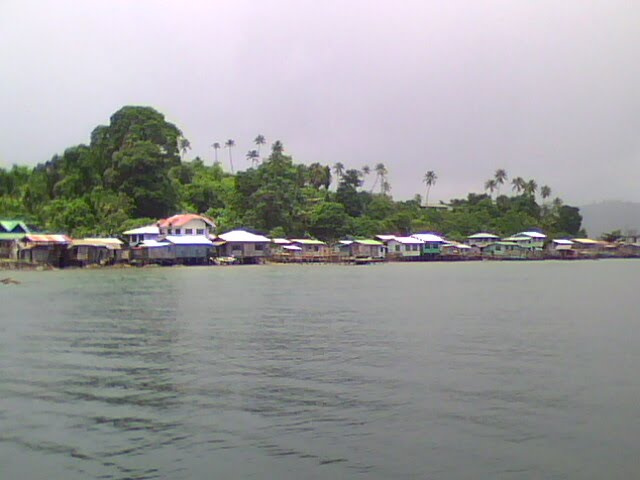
{"x":48,"y":239}
{"x":179,"y":220}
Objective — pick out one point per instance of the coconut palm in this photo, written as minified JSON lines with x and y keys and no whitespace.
{"x":254,"y":157}
{"x":277,"y":147}
{"x":216,"y":146}
{"x":184,"y":145}
{"x":545,"y":192}
{"x":531,"y":187}
{"x":338,"y":169}
{"x":259,"y":141}
{"x":381,"y":176}
{"x":491,"y":185}
{"x":230,"y":144}
{"x":500,"y":177}
{"x":518,"y":184}
{"x":429,"y":180}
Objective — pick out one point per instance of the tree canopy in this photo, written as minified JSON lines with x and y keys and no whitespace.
{"x":131,"y":173}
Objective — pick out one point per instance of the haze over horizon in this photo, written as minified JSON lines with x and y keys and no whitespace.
{"x":546,"y":90}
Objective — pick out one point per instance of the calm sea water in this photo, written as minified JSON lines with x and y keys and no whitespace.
{"x":435,"y":371}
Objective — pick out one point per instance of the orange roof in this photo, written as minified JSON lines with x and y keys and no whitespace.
{"x":48,"y":238}
{"x":179,"y":220}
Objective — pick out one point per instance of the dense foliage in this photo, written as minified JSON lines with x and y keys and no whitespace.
{"x":131,"y":173}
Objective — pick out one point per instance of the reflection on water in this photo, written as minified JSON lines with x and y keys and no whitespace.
{"x":398,"y":371}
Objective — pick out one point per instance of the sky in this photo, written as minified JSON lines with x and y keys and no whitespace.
{"x":544,"y":89}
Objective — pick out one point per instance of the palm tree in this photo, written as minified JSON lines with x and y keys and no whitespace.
{"x":277,"y":147}
{"x":429,"y":180}
{"x":254,"y":157}
{"x":531,"y":187}
{"x":500,"y":177}
{"x":545,"y":192}
{"x":557,"y":203}
{"x":184,"y":145}
{"x":381,"y":176}
{"x":338,"y":169}
{"x":491,"y":185}
{"x":216,"y":146}
{"x":259,"y":141}
{"x":230,"y":144}
{"x":385,"y":187}
{"x":518,"y":184}
{"x":366,"y":170}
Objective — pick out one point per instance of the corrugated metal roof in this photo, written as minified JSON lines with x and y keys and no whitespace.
{"x":148,"y":230}
{"x":532,"y":234}
{"x":307,"y":241}
{"x":428,"y":237}
{"x":243,"y":236}
{"x":408,"y":240}
{"x":48,"y":238}
{"x":182,"y":219}
{"x":385,"y":238}
{"x":110,"y":243}
{"x":483,"y":235}
{"x":12,"y":236}
{"x":189,"y":240}
{"x":153,"y":244}
{"x":281,"y":241}
{"x":292,"y":247}
{"x":10,"y":225}
{"x":369,"y":242}
{"x":561,"y":241}
{"x":586,"y":241}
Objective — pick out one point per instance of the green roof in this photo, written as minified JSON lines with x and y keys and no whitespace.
{"x":11,"y":236}
{"x":10,"y":226}
{"x":307,"y":241}
{"x":369,"y":242}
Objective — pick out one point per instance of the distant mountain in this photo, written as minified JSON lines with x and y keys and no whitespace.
{"x":599,"y":218}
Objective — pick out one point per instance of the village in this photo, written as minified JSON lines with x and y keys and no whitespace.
{"x":191,"y":239}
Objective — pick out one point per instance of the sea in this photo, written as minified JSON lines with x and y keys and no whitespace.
{"x":474,"y":370}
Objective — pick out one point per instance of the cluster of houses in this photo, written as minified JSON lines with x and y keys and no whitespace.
{"x":190,"y":239}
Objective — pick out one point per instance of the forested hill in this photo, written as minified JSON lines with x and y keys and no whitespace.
{"x":132,"y":173}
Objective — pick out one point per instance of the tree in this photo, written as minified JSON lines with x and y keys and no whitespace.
{"x":569,"y":220}
{"x":491,"y":185}
{"x":612,"y":236}
{"x":216,"y":146}
{"x":230,"y":144}
{"x":531,"y":187}
{"x":500,"y":177}
{"x":381,"y":176}
{"x":429,"y":180}
{"x":141,"y":171}
{"x":184,"y":146}
{"x":329,"y":221}
{"x":254,"y":157}
{"x":545,"y":192}
{"x":259,"y":141}
{"x":518,"y":184}
{"x":338,"y":169}
{"x":277,"y":147}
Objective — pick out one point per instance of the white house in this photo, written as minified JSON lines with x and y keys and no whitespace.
{"x":242,"y":245}
{"x":529,"y":239}
{"x":403,"y":247}
{"x":432,"y":242}
{"x":139,"y":235}
{"x":481,"y":239}
{"x":187,"y":224}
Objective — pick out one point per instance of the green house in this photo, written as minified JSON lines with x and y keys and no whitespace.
{"x":10,"y":232}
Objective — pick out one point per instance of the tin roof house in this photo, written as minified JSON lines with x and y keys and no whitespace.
{"x":243,"y":246}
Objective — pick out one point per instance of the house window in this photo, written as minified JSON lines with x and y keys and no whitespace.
{"x":397,"y":248}
{"x":177,"y":231}
{"x":237,"y":247}
{"x":169,"y":231}
{"x":188,"y":231}
{"x":316,"y":248}
{"x":258,"y":246}
{"x":200,"y":231}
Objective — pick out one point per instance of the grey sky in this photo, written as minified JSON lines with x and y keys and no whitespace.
{"x":544,"y":89}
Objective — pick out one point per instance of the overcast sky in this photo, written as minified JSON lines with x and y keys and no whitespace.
{"x":545,"y":89}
